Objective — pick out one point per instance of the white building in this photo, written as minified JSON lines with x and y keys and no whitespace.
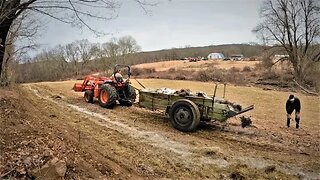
{"x":215,"y":56}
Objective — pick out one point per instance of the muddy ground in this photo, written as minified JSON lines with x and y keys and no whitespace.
{"x":45,"y":120}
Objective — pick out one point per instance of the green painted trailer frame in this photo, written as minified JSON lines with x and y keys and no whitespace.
{"x":209,"y":108}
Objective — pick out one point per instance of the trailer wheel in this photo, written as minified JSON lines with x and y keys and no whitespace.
{"x":184,"y":115}
{"x":107,"y":96}
{"x":131,"y":93}
{"x":88,"y":96}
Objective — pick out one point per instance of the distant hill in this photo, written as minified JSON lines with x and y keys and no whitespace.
{"x":177,"y":53}
{"x":57,"y":68}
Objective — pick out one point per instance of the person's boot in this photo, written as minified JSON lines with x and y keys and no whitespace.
{"x":288,"y":122}
{"x":297,"y":122}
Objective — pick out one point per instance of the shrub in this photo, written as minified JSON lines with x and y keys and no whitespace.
{"x":234,"y":69}
{"x":180,"y":77}
{"x":270,"y":75}
{"x":172,"y":70}
{"x":202,"y":75}
{"x":246,"y":69}
{"x":149,"y":70}
{"x":267,"y":62}
{"x":136,"y":71}
{"x":142,"y":71}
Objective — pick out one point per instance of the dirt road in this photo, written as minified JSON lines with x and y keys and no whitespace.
{"x":133,"y":143}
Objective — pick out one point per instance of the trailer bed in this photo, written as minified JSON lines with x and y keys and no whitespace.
{"x":211,"y":108}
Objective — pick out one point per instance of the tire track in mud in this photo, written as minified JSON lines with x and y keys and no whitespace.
{"x":189,"y":156}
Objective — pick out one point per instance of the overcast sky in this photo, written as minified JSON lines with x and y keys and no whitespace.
{"x":174,"y":23}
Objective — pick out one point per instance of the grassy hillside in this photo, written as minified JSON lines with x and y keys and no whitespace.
{"x":57,"y":68}
{"x":199,"y":65}
{"x":178,"y":53}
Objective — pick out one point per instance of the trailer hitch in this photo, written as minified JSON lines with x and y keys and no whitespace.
{"x":232,"y":113}
{"x":249,"y":108}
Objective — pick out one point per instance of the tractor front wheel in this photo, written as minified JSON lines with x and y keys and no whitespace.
{"x":184,"y":115}
{"x":88,"y":96}
{"x":107,"y":96}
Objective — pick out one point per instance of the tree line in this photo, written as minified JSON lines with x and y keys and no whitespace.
{"x":77,"y":13}
{"x":74,"y":59}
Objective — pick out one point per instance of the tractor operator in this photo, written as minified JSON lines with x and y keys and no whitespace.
{"x":293,"y":104}
{"x":117,"y":76}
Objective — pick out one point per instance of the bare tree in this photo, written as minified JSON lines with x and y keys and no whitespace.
{"x":112,"y":49}
{"x":74,"y":12}
{"x":71,"y":52}
{"x":99,"y":53}
{"x":50,"y":65}
{"x":59,"y":56}
{"x":293,"y":25}
{"x":84,"y":51}
{"x":128,"y":45}
{"x":79,"y":53}
{"x":22,"y":30}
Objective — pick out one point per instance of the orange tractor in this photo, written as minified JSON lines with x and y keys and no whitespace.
{"x":108,"y":90}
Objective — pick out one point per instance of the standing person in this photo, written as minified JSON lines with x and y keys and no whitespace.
{"x":293,"y":104}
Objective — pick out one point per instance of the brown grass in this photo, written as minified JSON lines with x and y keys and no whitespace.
{"x":269,"y":109}
{"x":233,"y":75}
{"x":235,"y":72}
{"x":179,"y":64}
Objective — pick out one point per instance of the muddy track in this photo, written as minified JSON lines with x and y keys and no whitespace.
{"x":134,"y":142}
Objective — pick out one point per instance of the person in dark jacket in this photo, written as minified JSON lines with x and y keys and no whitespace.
{"x":293,"y":104}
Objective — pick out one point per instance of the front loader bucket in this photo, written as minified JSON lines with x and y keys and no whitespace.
{"x":77,"y":87}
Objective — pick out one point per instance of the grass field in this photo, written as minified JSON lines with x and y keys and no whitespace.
{"x":269,"y":105}
{"x":179,"y":64}
{"x":269,"y":109}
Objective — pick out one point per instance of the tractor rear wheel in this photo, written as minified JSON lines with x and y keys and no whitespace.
{"x":131,"y":93}
{"x":184,"y":115}
{"x":88,"y":96}
{"x":107,"y":96}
